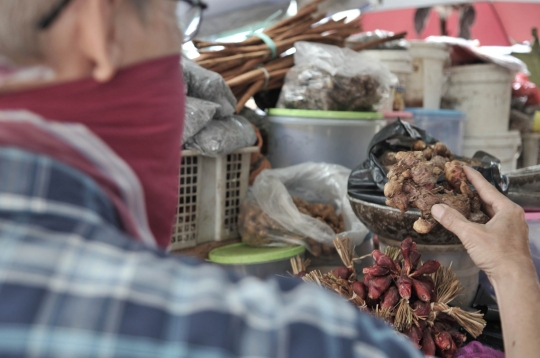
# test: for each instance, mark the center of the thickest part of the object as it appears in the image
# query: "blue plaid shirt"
(73, 285)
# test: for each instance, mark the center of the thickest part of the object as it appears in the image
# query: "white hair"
(19, 32)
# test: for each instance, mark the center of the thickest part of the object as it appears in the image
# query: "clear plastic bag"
(210, 86)
(198, 114)
(327, 77)
(223, 136)
(269, 217)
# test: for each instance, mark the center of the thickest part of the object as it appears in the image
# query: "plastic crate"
(209, 197)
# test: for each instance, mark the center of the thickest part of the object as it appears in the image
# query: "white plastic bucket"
(505, 146)
(399, 62)
(424, 85)
(484, 93)
(531, 143)
(462, 265)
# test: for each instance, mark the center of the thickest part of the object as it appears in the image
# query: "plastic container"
(424, 85)
(505, 146)
(399, 62)
(210, 193)
(456, 255)
(299, 136)
(531, 142)
(445, 125)
(261, 262)
(391, 117)
(483, 92)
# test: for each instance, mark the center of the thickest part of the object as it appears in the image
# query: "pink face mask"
(139, 114)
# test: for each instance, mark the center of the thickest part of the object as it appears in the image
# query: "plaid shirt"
(73, 285)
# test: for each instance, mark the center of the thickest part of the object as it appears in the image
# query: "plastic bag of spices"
(210, 86)
(198, 114)
(223, 136)
(330, 78)
(274, 214)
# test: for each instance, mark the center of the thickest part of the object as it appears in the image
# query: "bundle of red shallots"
(410, 295)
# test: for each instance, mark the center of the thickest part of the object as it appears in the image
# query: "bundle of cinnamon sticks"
(249, 67)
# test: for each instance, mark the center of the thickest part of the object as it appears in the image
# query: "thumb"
(451, 219)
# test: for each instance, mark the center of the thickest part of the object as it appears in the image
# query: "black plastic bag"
(367, 181)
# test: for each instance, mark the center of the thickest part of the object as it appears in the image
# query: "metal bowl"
(391, 223)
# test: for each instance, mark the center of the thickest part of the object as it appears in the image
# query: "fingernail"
(437, 211)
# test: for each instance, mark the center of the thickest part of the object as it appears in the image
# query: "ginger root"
(412, 182)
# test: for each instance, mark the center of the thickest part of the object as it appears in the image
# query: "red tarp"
(496, 24)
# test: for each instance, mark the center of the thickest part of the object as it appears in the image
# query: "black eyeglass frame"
(49, 19)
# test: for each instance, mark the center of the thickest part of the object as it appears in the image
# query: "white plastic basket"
(209, 197)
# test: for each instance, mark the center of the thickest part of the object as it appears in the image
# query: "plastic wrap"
(210, 86)
(464, 52)
(198, 114)
(330, 78)
(223, 136)
(269, 216)
(366, 37)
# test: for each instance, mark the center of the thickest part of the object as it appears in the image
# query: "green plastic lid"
(305, 113)
(238, 254)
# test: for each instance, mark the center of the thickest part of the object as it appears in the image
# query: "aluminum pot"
(391, 223)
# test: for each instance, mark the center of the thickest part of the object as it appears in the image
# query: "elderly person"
(87, 44)
(73, 283)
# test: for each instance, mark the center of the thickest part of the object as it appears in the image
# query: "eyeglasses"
(188, 12)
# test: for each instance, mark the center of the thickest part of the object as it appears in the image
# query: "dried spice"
(414, 301)
(258, 229)
(413, 182)
(310, 87)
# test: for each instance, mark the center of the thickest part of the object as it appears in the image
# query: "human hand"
(498, 246)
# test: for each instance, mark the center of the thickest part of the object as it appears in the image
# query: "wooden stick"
(300, 28)
(243, 56)
(378, 42)
(285, 62)
(219, 68)
(249, 93)
(274, 76)
(308, 9)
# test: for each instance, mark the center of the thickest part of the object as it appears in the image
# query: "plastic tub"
(447, 126)
(484, 93)
(256, 261)
(531, 142)
(505, 146)
(455, 255)
(299, 136)
(424, 85)
(391, 117)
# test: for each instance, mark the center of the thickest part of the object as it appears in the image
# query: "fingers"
(488, 193)
(451, 219)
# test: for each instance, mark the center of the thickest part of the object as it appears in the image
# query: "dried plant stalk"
(298, 265)
(393, 252)
(448, 288)
(405, 316)
(383, 313)
(446, 284)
